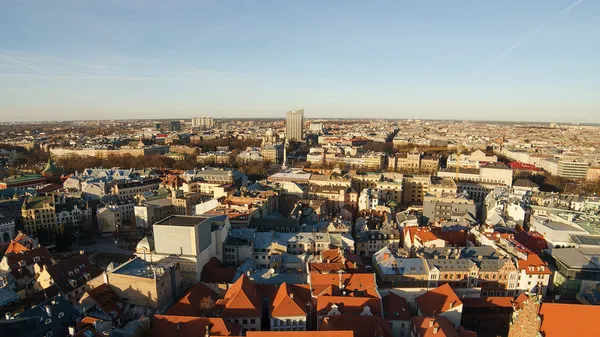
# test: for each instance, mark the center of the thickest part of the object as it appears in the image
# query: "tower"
(294, 124)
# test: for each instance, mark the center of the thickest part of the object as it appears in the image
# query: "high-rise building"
(294, 123)
(203, 122)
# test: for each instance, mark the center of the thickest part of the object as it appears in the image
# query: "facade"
(116, 216)
(289, 307)
(203, 122)
(38, 212)
(71, 276)
(142, 283)
(7, 229)
(242, 305)
(572, 169)
(534, 275)
(272, 153)
(74, 212)
(593, 174)
(128, 190)
(415, 188)
(22, 182)
(189, 240)
(294, 125)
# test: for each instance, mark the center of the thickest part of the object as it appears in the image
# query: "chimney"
(430, 323)
(48, 310)
(71, 331)
(435, 330)
(292, 295)
(207, 334)
(8, 316)
(105, 277)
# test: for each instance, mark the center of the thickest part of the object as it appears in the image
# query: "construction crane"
(458, 156)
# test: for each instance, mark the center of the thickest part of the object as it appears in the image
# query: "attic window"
(48, 321)
(61, 314)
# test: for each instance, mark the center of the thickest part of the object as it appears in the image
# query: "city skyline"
(509, 61)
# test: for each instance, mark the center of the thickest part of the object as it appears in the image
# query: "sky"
(514, 60)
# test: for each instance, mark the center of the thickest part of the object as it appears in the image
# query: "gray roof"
(182, 220)
(576, 258)
(461, 265)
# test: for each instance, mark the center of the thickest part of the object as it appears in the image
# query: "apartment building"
(415, 188)
(127, 190)
(38, 212)
(71, 276)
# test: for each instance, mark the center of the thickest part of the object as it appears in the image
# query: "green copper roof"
(51, 168)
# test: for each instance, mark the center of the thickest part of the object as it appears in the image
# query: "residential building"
(22, 182)
(242, 305)
(398, 313)
(534, 275)
(294, 125)
(440, 302)
(401, 272)
(115, 216)
(573, 169)
(415, 188)
(103, 303)
(74, 212)
(128, 190)
(185, 326)
(289, 308)
(38, 212)
(71, 276)
(593, 174)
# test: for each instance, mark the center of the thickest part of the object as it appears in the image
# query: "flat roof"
(182, 220)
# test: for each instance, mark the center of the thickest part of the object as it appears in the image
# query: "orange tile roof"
(241, 299)
(183, 326)
(348, 305)
(190, 302)
(321, 268)
(443, 326)
(560, 320)
(332, 256)
(106, 299)
(300, 333)
(437, 300)
(287, 302)
(411, 231)
(533, 260)
(352, 283)
(426, 235)
(396, 308)
(14, 247)
(362, 326)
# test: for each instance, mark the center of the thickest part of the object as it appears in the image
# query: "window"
(245, 321)
(253, 321)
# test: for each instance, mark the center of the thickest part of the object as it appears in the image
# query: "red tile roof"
(434, 327)
(106, 299)
(410, 231)
(425, 235)
(362, 326)
(325, 268)
(183, 326)
(348, 305)
(560, 320)
(453, 238)
(332, 256)
(437, 300)
(354, 284)
(14, 247)
(534, 265)
(290, 300)
(194, 302)
(396, 308)
(214, 272)
(241, 299)
(533, 241)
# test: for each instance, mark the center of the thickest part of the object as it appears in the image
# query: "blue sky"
(535, 60)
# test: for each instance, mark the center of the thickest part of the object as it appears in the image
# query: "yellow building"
(38, 212)
(415, 188)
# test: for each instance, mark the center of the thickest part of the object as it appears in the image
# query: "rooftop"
(137, 267)
(182, 220)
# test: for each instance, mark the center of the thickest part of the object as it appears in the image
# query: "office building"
(294, 124)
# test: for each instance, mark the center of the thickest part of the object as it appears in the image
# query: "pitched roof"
(395, 308)
(241, 299)
(290, 300)
(440, 327)
(354, 284)
(362, 326)
(72, 268)
(533, 265)
(348, 305)
(425, 235)
(325, 268)
(569, 320)
(107, 300)
(183, 326)
(14, 247)
(437, 300)
(190, 302)
(214, 272)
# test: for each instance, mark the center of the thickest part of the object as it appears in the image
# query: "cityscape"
(299, 169)
(208, 226)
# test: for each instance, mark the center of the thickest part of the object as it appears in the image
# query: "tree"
(64, 237)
